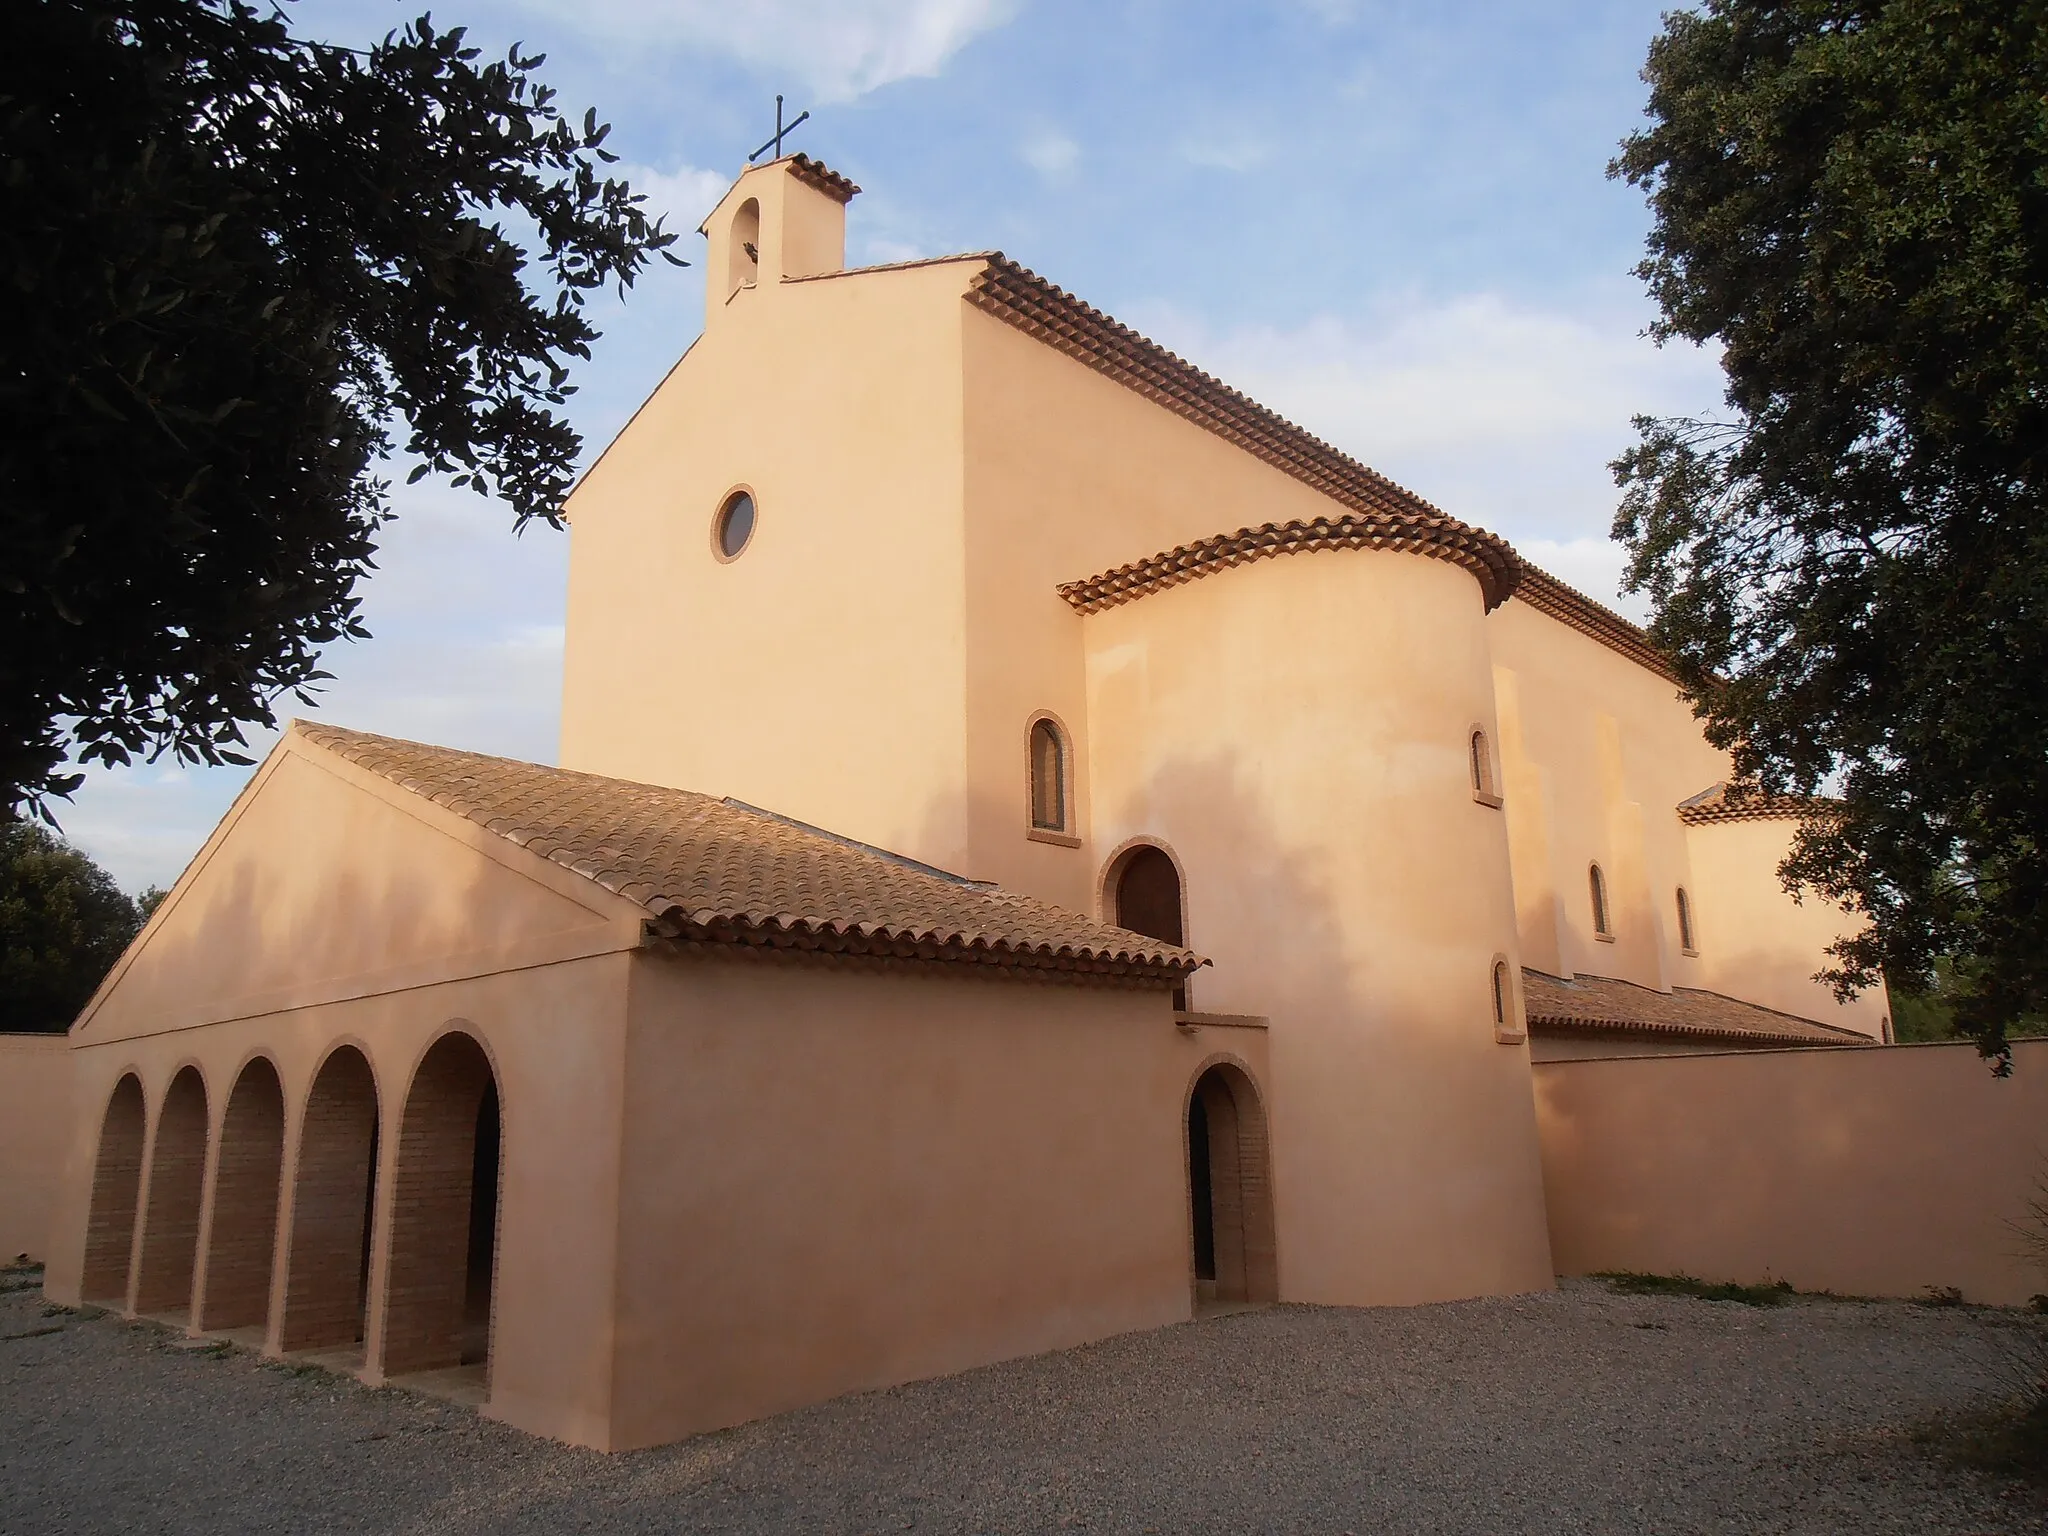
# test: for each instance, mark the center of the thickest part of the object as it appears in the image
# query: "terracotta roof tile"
(813, 173)
(720, 874)
(1546, 594)
(1738, 802)
(1602, 1005)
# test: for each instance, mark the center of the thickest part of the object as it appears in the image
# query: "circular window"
(734, 525)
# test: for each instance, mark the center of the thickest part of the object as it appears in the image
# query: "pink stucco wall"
(835, 1181)
(1870, 1172)
(35, 1129)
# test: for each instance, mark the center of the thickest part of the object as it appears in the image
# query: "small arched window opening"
(1481, 752)
(1603, 919)
(1507, 1018)
(1145, 893)
(743, 257)
(1048, 777)
(1686, 940)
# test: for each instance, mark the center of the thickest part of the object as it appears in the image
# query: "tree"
(1851, 570)
(63, 923)
(231, 260)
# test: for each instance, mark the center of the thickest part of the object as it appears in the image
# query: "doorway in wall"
(1230, 1191)
(1147, 899)
(116, 1188)
(334, 1204)
(445, 1216)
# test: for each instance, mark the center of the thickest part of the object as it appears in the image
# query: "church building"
(1041, 846)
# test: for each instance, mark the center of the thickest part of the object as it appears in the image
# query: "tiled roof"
(1546, 594)
(1381, 513)
(1737, 802)
(716, 874)
(814, 174)
(1602, 1005)
(1443, 537)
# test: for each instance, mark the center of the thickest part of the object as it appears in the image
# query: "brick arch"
(440, 1280)
(170, 1216)
(248, 1175)
(334, 1187)
(1230, 1159)
(116, 1194)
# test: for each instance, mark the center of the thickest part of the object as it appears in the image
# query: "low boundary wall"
(35, 1135)
(1878, 1172)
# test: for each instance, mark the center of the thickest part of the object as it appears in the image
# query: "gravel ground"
(1578, 1411)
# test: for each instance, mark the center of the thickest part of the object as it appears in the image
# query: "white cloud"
(882, 253)
(1227, 152)
(1503, 414)
(833, 49)
(1052, 155)
(685, 195)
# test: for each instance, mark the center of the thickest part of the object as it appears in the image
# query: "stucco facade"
(1041, 844)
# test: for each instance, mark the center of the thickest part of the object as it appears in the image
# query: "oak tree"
(237, 268)
(1850, 569)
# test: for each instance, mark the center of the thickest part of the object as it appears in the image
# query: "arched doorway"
(1230, 1190)
(116, 1186)
(242, 1235)
(1145, 896)
(444, 1214)
(170, 1218)
(334, 1190)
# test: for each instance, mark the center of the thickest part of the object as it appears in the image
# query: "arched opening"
(1603, 923)
(334, 1191)
(1482, 767)
(242, 1235)
(1230, 1190)
(1685, 934)
(1146, 895)
(444, 1214)
(116, 1186)
(1048, 777)
(170, 1218)
(743, 255)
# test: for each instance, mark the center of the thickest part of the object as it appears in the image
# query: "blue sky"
(1389, 220)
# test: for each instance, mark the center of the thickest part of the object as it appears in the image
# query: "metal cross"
(781, 128)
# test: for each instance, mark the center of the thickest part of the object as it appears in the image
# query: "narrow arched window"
(1685, 935)
(743, 256)
(1048, 777)
(1500, 994)
(1145, 894)
(1482, 766)
(1603, 922)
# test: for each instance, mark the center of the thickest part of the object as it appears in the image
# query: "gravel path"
(1580, 1411)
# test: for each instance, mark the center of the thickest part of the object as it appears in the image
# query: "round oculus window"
(734, 526)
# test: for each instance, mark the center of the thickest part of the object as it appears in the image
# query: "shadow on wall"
(146, 1249)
